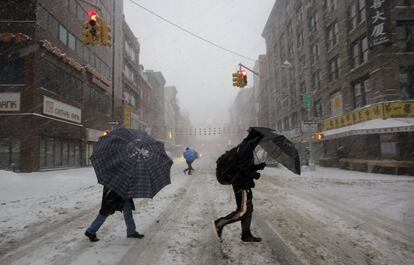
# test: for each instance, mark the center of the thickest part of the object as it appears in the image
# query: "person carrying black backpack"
(237, 167)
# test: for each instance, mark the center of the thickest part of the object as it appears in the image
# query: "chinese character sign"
(378, 22)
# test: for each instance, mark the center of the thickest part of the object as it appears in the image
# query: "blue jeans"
(129, 220)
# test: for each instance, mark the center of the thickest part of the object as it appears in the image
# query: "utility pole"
(113, 122)
(308, 102)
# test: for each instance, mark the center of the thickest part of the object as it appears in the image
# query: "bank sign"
(9, 101)
(61, 110)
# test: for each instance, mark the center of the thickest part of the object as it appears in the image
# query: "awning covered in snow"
(390, 125)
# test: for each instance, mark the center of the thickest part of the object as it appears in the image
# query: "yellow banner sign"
(127, 117)
(384, 110)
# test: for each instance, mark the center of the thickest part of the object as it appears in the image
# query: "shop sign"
(93, 135)
(61, 110)
(10, 101)
(127, 117)
(385, 110)
(399, 110)
(337, 104)
(378, 22)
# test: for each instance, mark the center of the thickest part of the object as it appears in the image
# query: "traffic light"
(319, 136)
(105, 33)
(236, 78)
(91, 30)
(243, 78)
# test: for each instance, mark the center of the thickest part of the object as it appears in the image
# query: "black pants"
(189, 167)
(243, 213)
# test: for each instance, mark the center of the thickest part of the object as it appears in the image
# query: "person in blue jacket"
(189, 155)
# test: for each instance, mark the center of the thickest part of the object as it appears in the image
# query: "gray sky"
(201, 72)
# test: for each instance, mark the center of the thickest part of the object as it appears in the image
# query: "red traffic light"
(92, 18)
(244, 73)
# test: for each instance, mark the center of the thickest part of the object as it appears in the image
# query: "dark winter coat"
(112, 202)
(246, 167)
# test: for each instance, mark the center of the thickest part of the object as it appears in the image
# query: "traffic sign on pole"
(308, 101)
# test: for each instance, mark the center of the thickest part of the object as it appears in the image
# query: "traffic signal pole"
(113, 64)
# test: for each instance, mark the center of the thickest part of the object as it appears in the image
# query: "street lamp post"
(308, 106)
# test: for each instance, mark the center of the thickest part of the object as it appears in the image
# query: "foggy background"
(200, 71)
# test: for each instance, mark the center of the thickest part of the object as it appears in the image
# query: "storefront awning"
(376, 126)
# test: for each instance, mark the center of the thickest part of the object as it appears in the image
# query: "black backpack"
(227, 167)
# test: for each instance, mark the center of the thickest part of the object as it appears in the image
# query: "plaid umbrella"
(278, 147)
(131, 163)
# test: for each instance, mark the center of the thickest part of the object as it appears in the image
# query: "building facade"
(157, 98)
(55, 92)
(132, 94)
(348, 67)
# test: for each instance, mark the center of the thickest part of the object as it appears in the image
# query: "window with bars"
(333, 35)
(360, 89)
(334, 70)
(313, 23)
(359, 52)
(405, 35)
(407, 82)
(357, 13)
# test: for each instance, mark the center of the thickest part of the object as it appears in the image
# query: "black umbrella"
(278, 147)
(132, 163)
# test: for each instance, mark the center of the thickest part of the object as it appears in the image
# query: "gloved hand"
(256, 175)
(261, 166)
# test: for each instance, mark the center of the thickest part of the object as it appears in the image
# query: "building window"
(9, 153)
(312, 23)
(315, 53)
(71, 42)
(300, 39)
(129, 51)
(316, 80)
(405, 35)
(11, 69)
(330, 5)
(334, 66)
(407, 82)
(357, 13)
(60, 82)
(63, 34)
(359, 51)
(360, 92)
(318, 108)
(299, 13)
(55, 153)
(128, 73)
(333, 35)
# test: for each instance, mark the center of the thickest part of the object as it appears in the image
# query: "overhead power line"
(194, 34)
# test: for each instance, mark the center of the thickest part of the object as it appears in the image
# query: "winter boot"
(92, 237)
(217, 230)
(250, 238)
(135, 235)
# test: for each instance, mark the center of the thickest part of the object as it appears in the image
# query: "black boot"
(250, 238)
(92, 237)
(135, 235)
(217, 229)
(246, 234)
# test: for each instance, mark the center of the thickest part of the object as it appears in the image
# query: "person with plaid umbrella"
(112, 202)
(129, 164)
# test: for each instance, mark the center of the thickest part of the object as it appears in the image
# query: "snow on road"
(329, 216)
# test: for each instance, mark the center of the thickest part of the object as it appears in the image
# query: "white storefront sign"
(93, 135)
(10, 101)
(61, 110)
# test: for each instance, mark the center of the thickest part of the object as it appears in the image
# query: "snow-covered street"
(329, 216)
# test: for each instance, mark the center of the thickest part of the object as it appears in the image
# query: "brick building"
(356, 60)
(59, 89)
